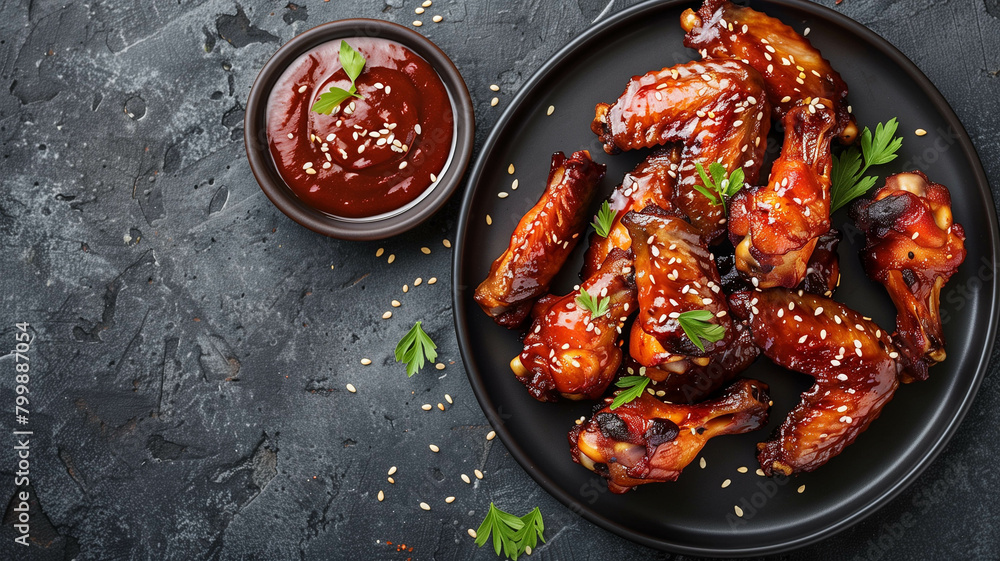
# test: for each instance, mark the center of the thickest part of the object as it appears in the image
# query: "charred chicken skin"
(542, 240)
(650, 183)
(794, 71)
(716, 111)
(674, 273)
(913, 246)
(852, 360)
(775, 228)
(569, 353)
(647, 440)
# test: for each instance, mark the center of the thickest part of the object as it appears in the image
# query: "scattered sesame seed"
(447, 397)
(527, 549)
(417, 23)
(726, 483)
(502, 195)
(920, 132)
(466, 479)
(441, 406)
(392, 470)
(425, 506)
(472, 533)
(437, 19)
(390, 480)
(742, 469)
(760, 472)
(449, 500)
(510, 169)
(406, 288)
(381, 496)
(417, 281)
(479, 474)
(434, 448)
(432, 280)
(513, 185)
(392, 258)
(494, 101)
(702, 463)
(290, 135)
(738, 510)
(491, 435)
(446, 242)
(801, 488)
(489, 220)
(427, 407)
(366, 361)
(806, 32)
(303, 89)
(425, 250)
(427, 3)
(419, 10)
(550, 110)
(434, 178)
(351, 388)
(379, 252)
(396, 304)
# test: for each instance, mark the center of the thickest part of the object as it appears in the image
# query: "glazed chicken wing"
(775, 228)
(647, 440)
(913, 246)
(852, 360)
(542, 240)
(650, 183)
(794, 71)
(567, 351)
(717, 112)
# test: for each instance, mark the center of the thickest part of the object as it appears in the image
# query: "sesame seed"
(441, 406)
(513, 185)
(738, 510)
(427, 407)
(303, 89)
(760, 472)
(489, 221)
(472, 533)
(379, 252)
(479, 474)
(742, 469)
(406, 288)
(418, 281)
(550, 110)
(466, 479)
(381, 496)
(434, 178)
(419, 10)
(434, 448)
(835, 362)
(801, 488)
(846, 419)
(818, 311)
(786, 99)
(290, 135)
(841, 409)
(392, 258)
(502, 195)
(402, 165)
(437, 19)
(920, 132)
(510, 169)
(425, 506)
(387, 315)
(396, 303)
(449, 500)
(417, 23)
(390, 480)
(427, 3)
(726, 483)
(446, 242)
(351, 388)
(425, 250)
(416, 128)
(841, 377)
(494, 101)
(702, 463)
(491, 435)
(392, 470)
(366, 361)
(432, 280)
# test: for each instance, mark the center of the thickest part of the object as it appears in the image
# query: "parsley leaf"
(635, 386)
(596, 307)
(414, 348)
(353, 62)
(847, 179)
(510, 533)
(605, 218)
(696, 326)
(718, 188)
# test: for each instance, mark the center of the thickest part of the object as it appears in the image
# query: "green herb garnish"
(510, 533)
(414, 348)
(353, 62)
(605, 218)
(718, 188)
(696, 326)
(634, 385)
(848, 179)
(596, 307)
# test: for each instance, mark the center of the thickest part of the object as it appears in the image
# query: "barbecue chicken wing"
(567, 352)
(775, 228)
(647, 440)
(913, 246)
(794, 71)
(717, 112)
(650, 183)
(542, 240)
(852, 360)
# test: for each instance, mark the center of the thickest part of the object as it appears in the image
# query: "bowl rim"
(274, 187)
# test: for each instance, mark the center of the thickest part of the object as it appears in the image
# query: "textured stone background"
(193, 344)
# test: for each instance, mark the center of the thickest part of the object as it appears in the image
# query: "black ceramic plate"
(694, 514)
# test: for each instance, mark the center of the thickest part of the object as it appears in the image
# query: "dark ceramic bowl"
(378, 227)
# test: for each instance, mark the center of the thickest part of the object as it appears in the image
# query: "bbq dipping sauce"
(371, 157)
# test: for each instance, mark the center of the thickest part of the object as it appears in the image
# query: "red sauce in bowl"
(371, 156)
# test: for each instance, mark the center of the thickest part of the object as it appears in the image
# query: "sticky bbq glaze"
(371, 156)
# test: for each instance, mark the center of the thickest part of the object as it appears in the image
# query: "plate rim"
(459, 303)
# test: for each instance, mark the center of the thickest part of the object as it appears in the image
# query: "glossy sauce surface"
(370, 156)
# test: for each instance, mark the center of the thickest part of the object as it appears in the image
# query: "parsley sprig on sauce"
(634, 386)
(718, 188)
(848, 179)
(596, 306)
(696, 326)
(353, 62)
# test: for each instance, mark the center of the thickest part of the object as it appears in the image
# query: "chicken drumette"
(648, 440)
(913, 247)
(542, 240)
(852, 360)
(794, 71)
(716, 110)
